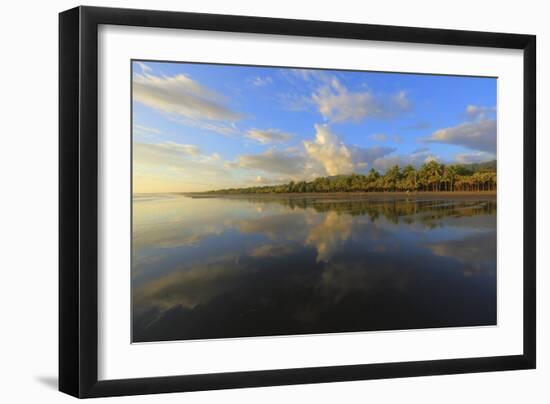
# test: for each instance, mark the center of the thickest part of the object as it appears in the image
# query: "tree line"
(431, 176)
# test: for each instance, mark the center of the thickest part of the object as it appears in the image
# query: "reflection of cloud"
(275, 266)
(168, 223)
(173, 236)
(330, 234)
(477, 253)
(192, 287)
(272, 250)
(339, 280)
(285, 226)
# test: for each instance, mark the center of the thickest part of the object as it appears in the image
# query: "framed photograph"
(251, 201)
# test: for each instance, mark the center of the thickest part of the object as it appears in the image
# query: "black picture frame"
(78, 201)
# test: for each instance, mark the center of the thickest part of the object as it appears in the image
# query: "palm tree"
(392, 177)
(449, 176)
(410, 178)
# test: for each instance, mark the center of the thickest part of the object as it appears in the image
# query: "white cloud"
(416, 158)
(364, 158)
(162, 153)
(271, 161)
(329, 151)
(379, 137)
(144, 68)
(222, 128)
(170, 167)
(474, 157)
(145, 130)
(261, 81)
(268, 136)
(337, 158)
(295, 102)
(477, 112)
(479, 135)
(183, 97)
(382, 137)
(337, 104)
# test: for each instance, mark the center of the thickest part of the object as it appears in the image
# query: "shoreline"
(491, 195)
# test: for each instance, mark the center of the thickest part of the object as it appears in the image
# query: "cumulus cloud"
(479, 135)
(268, 136)
(366, 157)
(329, 151)
(477, 112)
(337, 158)
(337, 104)
(183, 97)
(326, 154)
(271, 161)
(416, 158)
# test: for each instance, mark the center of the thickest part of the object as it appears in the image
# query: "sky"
(198, 127)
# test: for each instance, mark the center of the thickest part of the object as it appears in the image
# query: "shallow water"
(238, 267)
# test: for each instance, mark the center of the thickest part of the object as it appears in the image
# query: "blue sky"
(201, 126)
